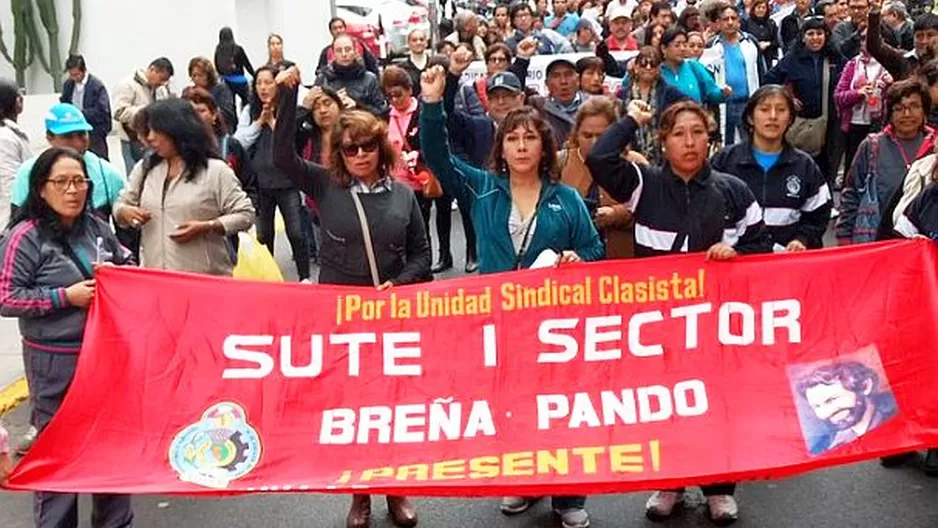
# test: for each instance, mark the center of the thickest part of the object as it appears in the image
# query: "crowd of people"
(729, 129)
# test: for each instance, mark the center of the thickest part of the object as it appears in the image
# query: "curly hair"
(530, 119)
(360, 126)
(205, 65)
(36, 208)
(853, 375)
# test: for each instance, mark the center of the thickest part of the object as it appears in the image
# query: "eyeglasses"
(353, 149)
(62, 184)
(910, 108)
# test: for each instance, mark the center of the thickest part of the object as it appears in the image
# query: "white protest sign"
(537, 69)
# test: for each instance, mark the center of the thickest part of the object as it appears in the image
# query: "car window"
(361, 11)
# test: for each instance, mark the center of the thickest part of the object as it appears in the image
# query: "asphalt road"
(860, 495)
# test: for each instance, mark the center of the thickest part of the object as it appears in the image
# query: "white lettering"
(489, 345)
(790, 319)
(635, 327)
(616, 408)
(594, 337)
(479, 421)
(338, 427)
(748, 315)
(231, 348)
(393, 352)
(695, 388)
(659, 393)
(691, 313)
(583, 412)
(547, 337)
(374, 419)
(443, 423)
(551, 407)
(315, 358)
(407, 416)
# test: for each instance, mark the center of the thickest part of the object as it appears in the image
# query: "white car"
(396, 17)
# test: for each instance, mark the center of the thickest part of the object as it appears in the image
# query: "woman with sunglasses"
(519, 209)
(645, 84)
(358, 189)
(49, 252)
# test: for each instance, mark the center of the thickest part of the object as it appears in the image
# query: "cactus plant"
(27, 40)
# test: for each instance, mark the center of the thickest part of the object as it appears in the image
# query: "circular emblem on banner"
(219, 448)
(793, 185)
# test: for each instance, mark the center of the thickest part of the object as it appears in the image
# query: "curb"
(13, 394)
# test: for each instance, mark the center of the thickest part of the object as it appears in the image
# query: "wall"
(119, 36)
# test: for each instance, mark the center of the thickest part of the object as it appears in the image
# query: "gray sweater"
(36, 271)
(402, 250)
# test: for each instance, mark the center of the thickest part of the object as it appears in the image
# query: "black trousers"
(425, 205)
(288, 201)
(444, 224)
(49, 375)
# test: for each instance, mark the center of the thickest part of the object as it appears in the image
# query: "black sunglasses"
(353, 149)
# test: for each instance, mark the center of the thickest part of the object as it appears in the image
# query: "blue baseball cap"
(65, 118)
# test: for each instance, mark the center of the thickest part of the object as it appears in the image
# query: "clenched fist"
(433, 84)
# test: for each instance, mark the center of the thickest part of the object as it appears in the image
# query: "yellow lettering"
(589, 455)
(449, 470)
(483, 467)
(418, 471)
(373, 474)
(622, 458)
(553, 462)
(518, 464)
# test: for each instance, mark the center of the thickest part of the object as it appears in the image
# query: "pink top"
(398, 123)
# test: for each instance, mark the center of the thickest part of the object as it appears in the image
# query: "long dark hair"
(9, 95)
(763, 93)
(225, 50)
(529, 118)
(256, 104)
(36, 208)
(191, 138)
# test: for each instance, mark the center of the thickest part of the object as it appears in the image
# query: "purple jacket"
(846, 97)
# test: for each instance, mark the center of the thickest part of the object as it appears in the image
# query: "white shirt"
(78, 96)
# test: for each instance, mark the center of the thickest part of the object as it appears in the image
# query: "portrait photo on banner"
(841, 400)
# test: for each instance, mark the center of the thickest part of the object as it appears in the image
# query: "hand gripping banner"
(608, 377)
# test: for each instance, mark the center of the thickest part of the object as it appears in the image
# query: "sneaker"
(306, 281)
(574, 517)
(661, 504)
(516, 505)
(27, 441)
(723, 509)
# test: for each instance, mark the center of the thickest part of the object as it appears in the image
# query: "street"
(859, 495)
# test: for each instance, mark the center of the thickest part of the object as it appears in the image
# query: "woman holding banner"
(526, 216)
(373, 229)
(680, 207)
(793, 192)
(50, 250)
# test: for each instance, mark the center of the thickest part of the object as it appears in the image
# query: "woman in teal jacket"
(519, 211)
(525, 187)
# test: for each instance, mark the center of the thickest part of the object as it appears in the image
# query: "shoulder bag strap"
(366, 236)
(825, 88)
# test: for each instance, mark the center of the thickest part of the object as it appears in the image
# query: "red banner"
(607, 377)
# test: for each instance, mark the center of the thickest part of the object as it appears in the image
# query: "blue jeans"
(567, 503)
(734, 118)
(132, 153)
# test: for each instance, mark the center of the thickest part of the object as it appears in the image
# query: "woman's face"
(522, 149)
(275, 48)
(325, 112)
(483, 30)
(200, 77)
(161, 144)
(771, 117)
(591, 128)
(66, 189)
(496, 63)
(205, 114)
(400, 97)
(695, 47)
(908, 117)
(814, 39)
(501, 16)
(761, 10)
(360, 157)
(266, 87)
(344, 51)
(686, 145)
(417, 42)
(656, 33)
(676, 51)
(647, 69)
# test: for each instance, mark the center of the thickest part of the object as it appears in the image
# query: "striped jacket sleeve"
(815, 212)
(745, 229)
(21, 257)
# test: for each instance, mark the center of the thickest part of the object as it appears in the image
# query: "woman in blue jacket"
(519, 211)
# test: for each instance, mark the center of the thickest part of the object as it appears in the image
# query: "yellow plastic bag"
(254, 261)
